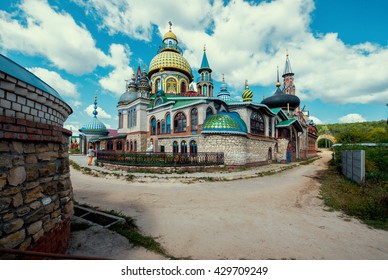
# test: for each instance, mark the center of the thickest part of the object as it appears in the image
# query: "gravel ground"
(272, 217)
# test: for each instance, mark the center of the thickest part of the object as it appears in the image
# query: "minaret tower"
(224, 93)
(205, 84)
(288, 78)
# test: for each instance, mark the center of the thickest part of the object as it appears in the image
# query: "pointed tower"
(224, 93)
(205, 84)
(288, 78)
(144, 87)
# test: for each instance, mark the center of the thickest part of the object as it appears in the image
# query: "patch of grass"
(79, 226)
(75, 165)
(308, 161)
(369, 203)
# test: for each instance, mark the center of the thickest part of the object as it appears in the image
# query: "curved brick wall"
(36, 198)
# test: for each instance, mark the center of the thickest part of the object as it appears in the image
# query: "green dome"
(224, 123)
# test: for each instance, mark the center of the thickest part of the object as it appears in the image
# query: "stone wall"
(36, 198)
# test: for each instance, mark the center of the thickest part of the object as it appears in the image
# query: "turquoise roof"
(286, 122)
(15, 70)
(95, 127)
(224, 123)
(205, 62)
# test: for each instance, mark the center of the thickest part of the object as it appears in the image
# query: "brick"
(21, 100)
(7, 86)
(11, 79)
(20, 116)
(29, 118)
(34, 112)
(44, 109)
(11, 97)
(31, 88)
(16, 106)
(37, 119)
(2, 93)
(5, 104)
(30, 103)
(10, 113)
(21, 91)
(26, 110)
(38, 106)
(22, 84)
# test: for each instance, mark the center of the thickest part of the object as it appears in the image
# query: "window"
(120, 120)
(209, 112)
(157, 85)
(270, 127)
(153, 126)
(119, 145)
(168, 124)
(134, 117)
(134, 146)
(158, 128)
(205, 90)
(183, 147)
(127, 146)
(129, 121)
(131, 118)
(183, 87)
(175, 147)
(194, 120)
(158, 102)
(171, 85)
(163, 127)
(162, 149)
(257, 123)
(180, 123)
(193, 147)
(131, 146)
(109, 145)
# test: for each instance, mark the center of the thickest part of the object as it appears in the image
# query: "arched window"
(276, 149)
(163, 127)
(193, 147)
(180, 123)
(153, 126)
(119, 145)
(158, 128)
(109, 145)
(209, 112)
(270, 127)
(157, 85)
(257, 123)
(175, 147)
(120, 120)
(183, 147)
(269, 154)
(206, 76)
(205, 90)
(168, 124)
(158, 101)
(134, 146)
(183, 87)
(194, 120)
(131, 146)
(171, 85)
(127, 146)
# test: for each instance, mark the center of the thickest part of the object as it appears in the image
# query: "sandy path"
(272, 217)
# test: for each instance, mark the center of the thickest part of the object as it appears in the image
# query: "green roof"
(184, 103)
(286, 123)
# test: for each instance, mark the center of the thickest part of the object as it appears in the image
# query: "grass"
(368, 203)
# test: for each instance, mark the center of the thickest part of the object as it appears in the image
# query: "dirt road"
(272, 217)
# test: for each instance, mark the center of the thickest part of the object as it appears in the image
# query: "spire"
(170, 23)
(224, 94)
(278, 82)
(287, 67)
(95, 113)
(205, 62)
(247, 94)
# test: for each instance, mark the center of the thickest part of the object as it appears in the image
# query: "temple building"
(160, 112)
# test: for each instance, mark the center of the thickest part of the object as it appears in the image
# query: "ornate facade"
(160, 112)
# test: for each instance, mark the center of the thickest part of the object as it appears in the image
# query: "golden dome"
(170, 35)
(170, 60)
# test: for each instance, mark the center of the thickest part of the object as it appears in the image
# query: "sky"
(338, 49)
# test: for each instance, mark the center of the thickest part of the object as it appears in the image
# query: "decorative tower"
(224, 93)
(288, 78)
(144, 87)
(247, 94)
(205, 84)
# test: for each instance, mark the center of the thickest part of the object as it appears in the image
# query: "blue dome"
(224, 123)
(95, 127)
(128, 96)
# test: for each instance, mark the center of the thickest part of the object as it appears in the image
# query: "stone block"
(34, 216)
(17, 200)
(10, 191)
(23, 211)
(68, 210)
(33, 195)
(41, 148)
(29, 148)
(13, 240)
(31, 159)
(13, 226)
(17, 176)
(6, 161)
(17, 107)
(32, 172)
(47, 169)
(26, 244)
(4, 146)
(18, 160)
(38, 235)
(8, 216)
(56, 213)
(31, 185)
(3, 181)
(35, 227)
(11, 97)
(35, 205)
(50, 188)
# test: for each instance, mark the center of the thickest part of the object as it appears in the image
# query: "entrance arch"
(329, 140)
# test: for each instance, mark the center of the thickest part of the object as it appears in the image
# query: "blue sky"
(338, 49)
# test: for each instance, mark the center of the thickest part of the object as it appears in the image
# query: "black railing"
(160, 159)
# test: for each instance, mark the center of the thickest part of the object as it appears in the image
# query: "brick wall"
(36, 198)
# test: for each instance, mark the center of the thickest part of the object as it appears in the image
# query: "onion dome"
(247, 94)
(170, 35)
(95, 127)
(224, 93)
(281, 100)
(131, 93)
(169, 60)
(224, 123)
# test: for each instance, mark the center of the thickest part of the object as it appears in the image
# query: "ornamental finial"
(170, 23)
(246, 83)
(278, 82)
(95, 113)
(286, 52)
(223, 78)
(204, 47)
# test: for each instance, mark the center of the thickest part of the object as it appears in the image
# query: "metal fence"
(160, 159)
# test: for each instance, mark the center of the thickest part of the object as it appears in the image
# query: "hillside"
(376, 132)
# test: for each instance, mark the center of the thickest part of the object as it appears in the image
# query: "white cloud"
(119, 58)
(40, 30)
(315, 120)
(351, 118)
(101, 113)
(76, 103)
(246, 40)
(64, 87)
